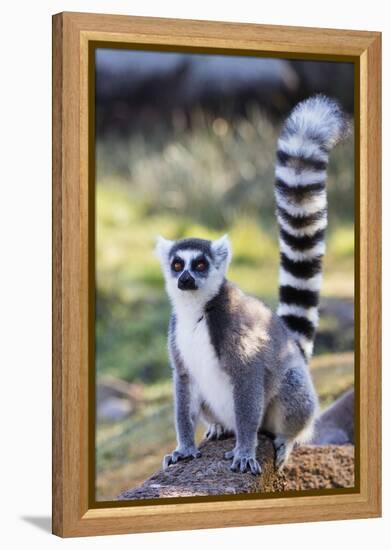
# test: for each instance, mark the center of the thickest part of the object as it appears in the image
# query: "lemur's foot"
(216, 431)
(243, 462)
(282, 449)
(180, 454)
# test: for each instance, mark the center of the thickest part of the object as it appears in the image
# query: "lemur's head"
(193, 268)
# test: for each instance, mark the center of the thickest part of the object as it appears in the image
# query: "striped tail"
(310, 132)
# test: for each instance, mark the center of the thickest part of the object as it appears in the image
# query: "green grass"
(132, 308)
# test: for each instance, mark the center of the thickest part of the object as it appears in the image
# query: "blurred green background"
(199, 171)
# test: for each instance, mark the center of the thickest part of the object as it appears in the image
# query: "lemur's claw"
(244, 463)
(213, 432)
(216, 431)
(177, 455)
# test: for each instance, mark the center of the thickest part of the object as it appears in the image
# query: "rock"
(309, 467)
(114, 409)
(336, 424)
(138, 90)
(336, 330)
(123, 73)
(116, 399)
(109, 386)
(320, 467)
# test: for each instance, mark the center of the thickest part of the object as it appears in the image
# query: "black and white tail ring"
(310, 132)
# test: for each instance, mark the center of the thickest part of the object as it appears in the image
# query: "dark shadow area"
(44, 523)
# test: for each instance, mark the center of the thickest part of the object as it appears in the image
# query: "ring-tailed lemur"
(237, 365)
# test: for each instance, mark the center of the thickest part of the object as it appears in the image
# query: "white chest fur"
(211, 383)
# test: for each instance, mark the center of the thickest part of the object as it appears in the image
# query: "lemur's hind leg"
(290, 415)
(214, 429)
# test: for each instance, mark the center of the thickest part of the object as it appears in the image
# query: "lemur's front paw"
(180, 454)
(216, 431)
(243, 462)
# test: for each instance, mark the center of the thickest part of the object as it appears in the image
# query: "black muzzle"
(186, 282)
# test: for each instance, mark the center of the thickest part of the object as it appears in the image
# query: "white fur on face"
(207, 286)
(162, 249)
(222, 251)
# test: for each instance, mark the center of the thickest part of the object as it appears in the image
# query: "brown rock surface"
(320, 467)
(309, 467)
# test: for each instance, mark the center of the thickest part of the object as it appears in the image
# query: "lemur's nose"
(186, 281)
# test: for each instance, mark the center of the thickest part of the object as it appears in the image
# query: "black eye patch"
(177, 264)
(200, 264)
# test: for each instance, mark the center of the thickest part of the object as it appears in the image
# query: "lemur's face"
(193, 266)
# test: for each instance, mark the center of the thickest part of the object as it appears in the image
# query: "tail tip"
(319, 117)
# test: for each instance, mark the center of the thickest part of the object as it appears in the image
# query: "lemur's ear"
(222, 251)
(162, 248)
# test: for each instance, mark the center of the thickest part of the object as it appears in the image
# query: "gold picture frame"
(75, 35)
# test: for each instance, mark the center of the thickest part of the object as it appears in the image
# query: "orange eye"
(177, 266)
(201, 266)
